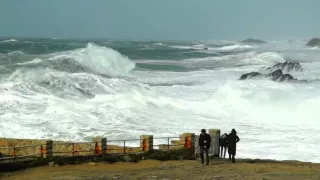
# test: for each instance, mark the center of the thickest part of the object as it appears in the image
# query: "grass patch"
(15, 165)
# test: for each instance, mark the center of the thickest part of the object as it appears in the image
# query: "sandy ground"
(151, 169)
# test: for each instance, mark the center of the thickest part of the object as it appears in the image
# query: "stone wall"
(98, 145)
(214, 148)
(33, 149)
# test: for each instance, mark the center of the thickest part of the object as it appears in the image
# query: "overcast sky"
(161, 19)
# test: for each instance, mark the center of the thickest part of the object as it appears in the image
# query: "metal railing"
(92, 148)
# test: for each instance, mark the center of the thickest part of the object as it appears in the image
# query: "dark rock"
(276, 75)
(287, 66)
(314, 42)
(253, 41)
(250, 75)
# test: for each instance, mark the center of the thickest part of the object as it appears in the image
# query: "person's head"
(203, 131)
(233, 131)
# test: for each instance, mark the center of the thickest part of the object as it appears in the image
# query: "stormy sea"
(77, 89)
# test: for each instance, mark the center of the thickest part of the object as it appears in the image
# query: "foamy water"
(106, 94)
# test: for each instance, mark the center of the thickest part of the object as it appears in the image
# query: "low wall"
(10, 147)
(20, 146)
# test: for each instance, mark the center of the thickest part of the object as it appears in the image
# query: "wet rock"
(276, 75)
(314, 42)
(287, 66)
(253, 41)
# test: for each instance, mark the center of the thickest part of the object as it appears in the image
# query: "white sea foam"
(270, 117)
(8, 40)
(99, 60)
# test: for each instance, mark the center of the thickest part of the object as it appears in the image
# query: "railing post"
(124, 147)
(168, 143)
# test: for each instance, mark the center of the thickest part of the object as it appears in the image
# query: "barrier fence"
(98, 146)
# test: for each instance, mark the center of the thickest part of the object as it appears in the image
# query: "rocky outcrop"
(253, 41)
(276, 75)
(287, 66)
(314, 42)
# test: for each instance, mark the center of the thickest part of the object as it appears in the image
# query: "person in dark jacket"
(223, 143)
(204, 143)
(232, 149)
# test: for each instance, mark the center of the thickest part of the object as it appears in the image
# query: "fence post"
(168, 145)
(49, 148)
(146, 142)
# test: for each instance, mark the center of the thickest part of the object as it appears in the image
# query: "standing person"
(233, 139)
(204, 143)
(223, 143)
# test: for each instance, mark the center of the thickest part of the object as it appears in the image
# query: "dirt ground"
(151, 169)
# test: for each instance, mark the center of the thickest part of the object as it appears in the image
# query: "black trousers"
(233, 160)
(204, 150)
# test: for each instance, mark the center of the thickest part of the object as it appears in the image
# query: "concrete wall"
(214, 148)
